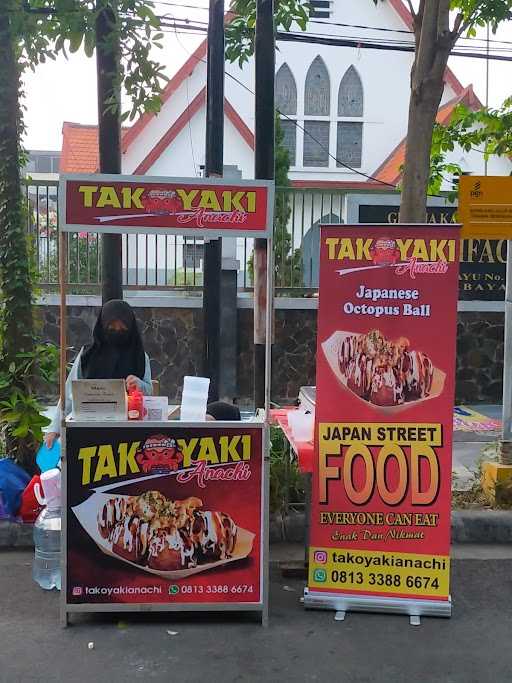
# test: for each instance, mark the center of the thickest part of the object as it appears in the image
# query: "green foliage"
(471, 14)
(31, 32)
(488, 131)
(287, 260)
(286, 485)
(240, 30)
(49, 27)
(21, 418)
(478, 13)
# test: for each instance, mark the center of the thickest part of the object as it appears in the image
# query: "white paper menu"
(99, 399)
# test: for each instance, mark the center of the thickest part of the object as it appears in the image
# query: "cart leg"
(64, 618)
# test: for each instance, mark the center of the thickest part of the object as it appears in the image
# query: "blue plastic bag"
(48, 458)
(13, 480)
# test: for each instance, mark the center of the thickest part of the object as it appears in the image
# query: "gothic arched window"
(350, 94)
(286, 91)
(286, 103)
(317, 96)
(349, 145)
(317, 105)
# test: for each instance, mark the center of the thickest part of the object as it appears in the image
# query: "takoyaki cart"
(165, 515)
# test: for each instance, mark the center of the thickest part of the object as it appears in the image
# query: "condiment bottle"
(135, 405)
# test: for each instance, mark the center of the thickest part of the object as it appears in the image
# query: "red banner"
(387, 317)
(99, 203)
(164, 516)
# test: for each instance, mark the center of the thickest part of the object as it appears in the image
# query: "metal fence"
(161, 262)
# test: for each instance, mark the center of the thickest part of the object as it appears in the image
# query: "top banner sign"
(485, 207)
(185, 206)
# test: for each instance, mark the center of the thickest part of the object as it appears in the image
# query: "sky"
(65, 90)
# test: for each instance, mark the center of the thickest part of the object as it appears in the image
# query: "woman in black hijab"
(116, 352)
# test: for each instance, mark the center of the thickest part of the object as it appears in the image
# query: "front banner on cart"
(172, 515)
(380, 519)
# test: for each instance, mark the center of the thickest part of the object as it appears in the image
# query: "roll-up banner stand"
(380, 516)
(165, 515)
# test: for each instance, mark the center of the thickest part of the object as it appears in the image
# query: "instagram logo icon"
(320, 557)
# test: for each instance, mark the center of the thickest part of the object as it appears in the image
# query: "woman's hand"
(132, 382)
(50, 438)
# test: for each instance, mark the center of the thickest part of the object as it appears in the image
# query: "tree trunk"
(109, 135)
(422, 115)
(16, 321)
(434, 43)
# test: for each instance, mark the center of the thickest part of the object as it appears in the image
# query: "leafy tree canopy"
(43, 28)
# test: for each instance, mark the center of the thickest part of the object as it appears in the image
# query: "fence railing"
(162, 262)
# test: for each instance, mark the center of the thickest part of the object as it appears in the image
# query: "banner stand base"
(342, 604)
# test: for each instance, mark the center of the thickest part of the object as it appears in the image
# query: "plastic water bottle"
(46, 567)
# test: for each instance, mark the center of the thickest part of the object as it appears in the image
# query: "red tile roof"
(79, 148)
(389, 171)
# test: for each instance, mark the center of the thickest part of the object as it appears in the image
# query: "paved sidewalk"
(472, 647)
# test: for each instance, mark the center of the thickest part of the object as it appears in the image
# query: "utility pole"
(214, 162)
(264, 55)
(109, 134)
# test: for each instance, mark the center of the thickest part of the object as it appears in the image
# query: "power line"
(297, 125)
(333, 41)
(359, 40)
(177, 4)
(343, 41)
(397, 30)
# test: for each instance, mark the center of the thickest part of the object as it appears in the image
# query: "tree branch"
(427, 39)
(443, 17)
(411, 9)
(463, 27)
(458, 23)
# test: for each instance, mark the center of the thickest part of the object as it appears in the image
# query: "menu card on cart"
(99, 399)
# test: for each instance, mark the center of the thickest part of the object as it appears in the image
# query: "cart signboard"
(164, 516)
(185, 206)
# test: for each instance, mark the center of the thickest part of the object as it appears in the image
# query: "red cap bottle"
(135, 404)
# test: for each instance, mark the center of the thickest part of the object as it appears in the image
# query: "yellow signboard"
(485, 207)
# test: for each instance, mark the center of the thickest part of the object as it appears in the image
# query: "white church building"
(352, 101)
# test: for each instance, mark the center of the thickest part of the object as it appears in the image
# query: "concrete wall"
(173, 339)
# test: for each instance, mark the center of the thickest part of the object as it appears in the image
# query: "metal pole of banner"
(264, 56)
(109, 135)
(487, 74)
(507, 364)
(214, 162)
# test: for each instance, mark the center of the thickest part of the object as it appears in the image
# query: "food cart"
(164, 515)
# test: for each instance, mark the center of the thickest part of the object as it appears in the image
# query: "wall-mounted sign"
(485, 207)
(482, 272)
(185, 206)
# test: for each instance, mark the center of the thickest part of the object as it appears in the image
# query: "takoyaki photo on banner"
(154, 517)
